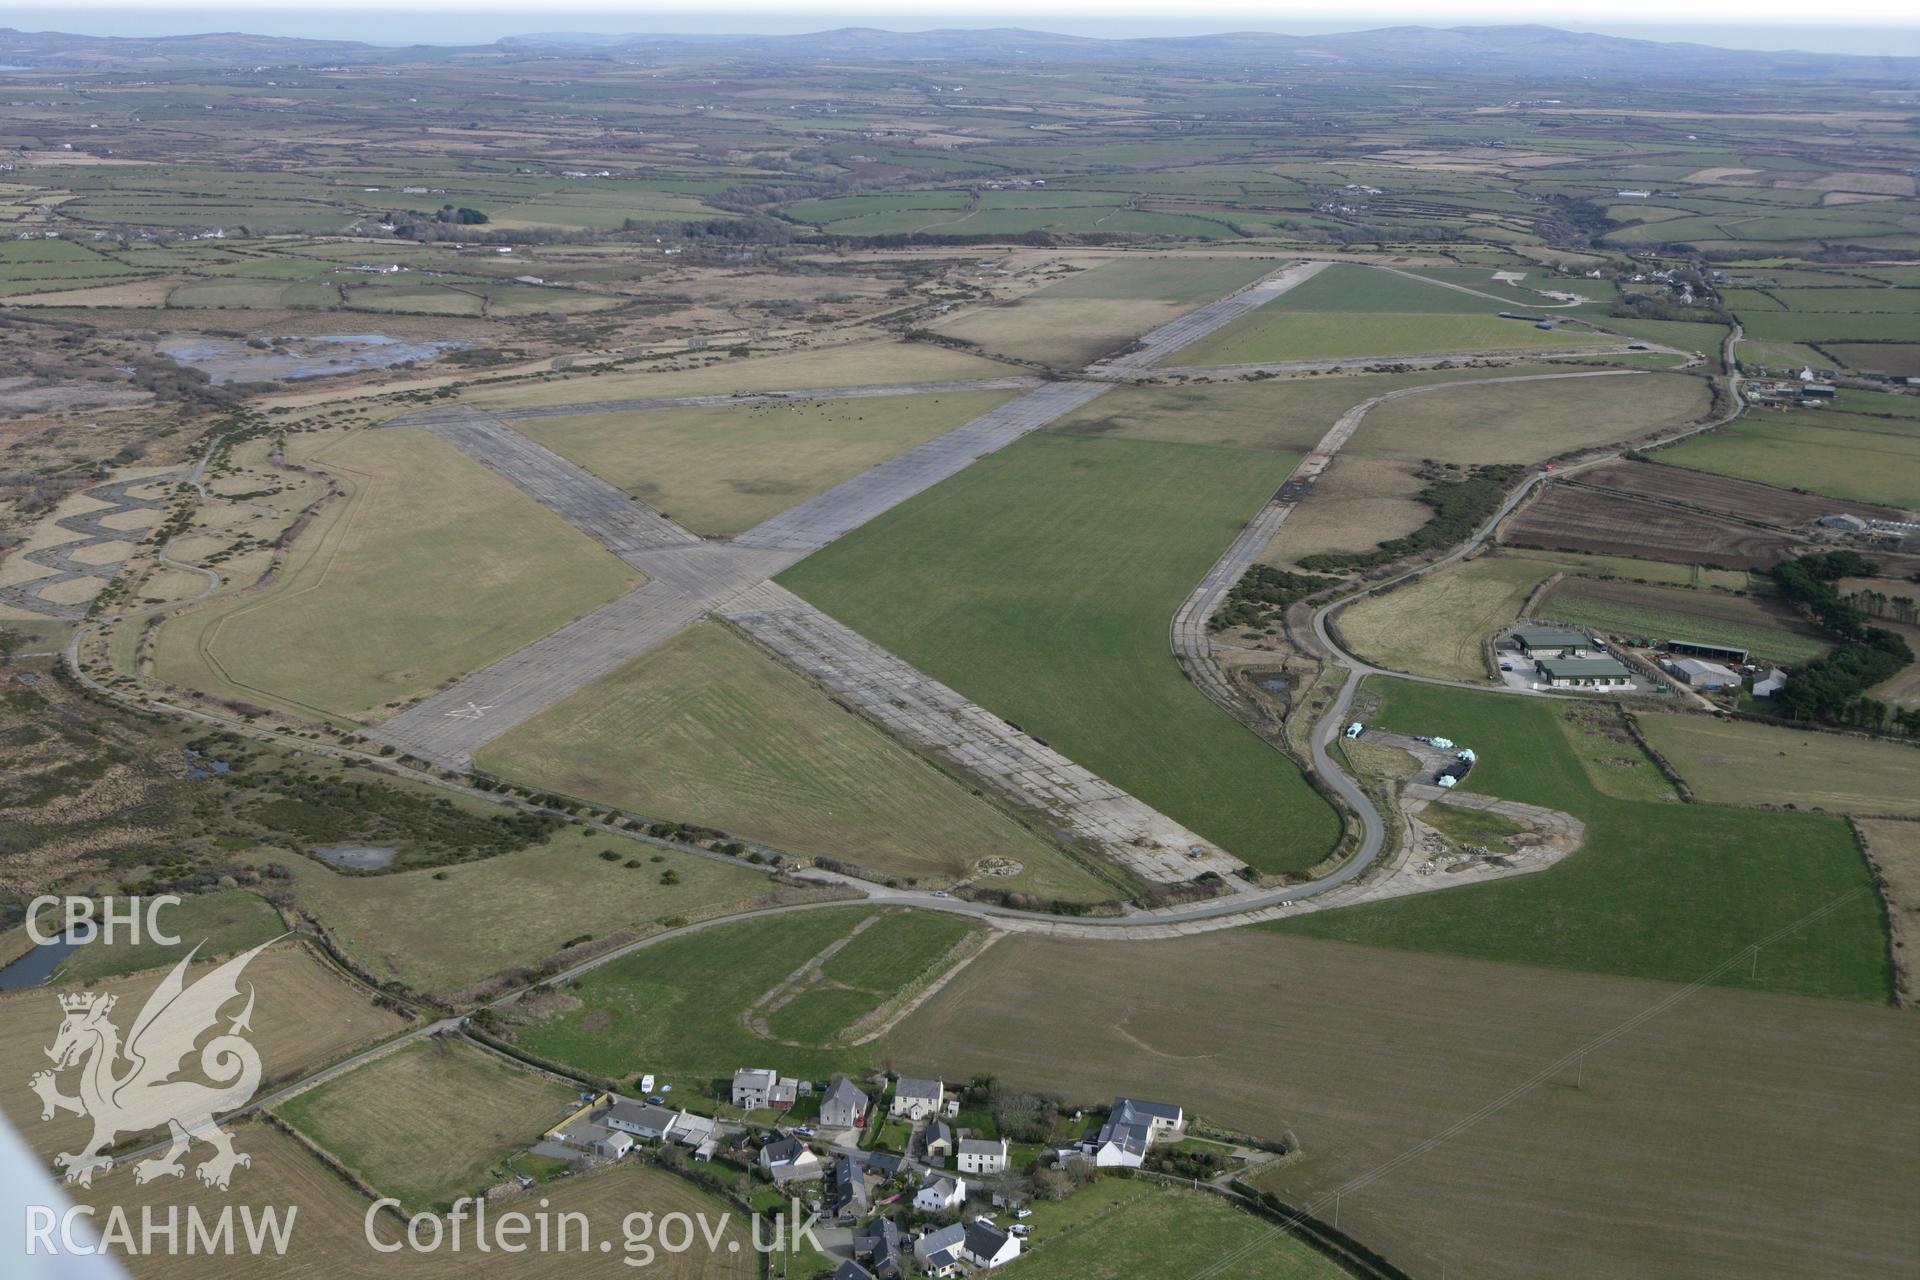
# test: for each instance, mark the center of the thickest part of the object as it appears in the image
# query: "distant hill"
(1494, 51)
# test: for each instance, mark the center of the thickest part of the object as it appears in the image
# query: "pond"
(289, 357)
(35, 967)
(355, 857)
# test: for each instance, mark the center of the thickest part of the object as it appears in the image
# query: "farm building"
(1584, 673)
(1843, 522)
(1711, 652)
(1709, 676)
(1551, 642)
(1765, 686)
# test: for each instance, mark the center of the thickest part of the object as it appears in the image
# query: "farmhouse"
(1132, 1126)
(1584, 673)
(1706, 676)
(844, 1106)
(1551, 642)
(983, 1155)
(941, 1193)
(641, 1119)
(940, 1252)
(916, 1099)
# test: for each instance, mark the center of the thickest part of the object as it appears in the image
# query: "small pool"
(35, 967)
(356, 857)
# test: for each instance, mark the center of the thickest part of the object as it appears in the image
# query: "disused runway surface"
(691, 580)
(624, 525)
(1011, 383)
(1195, 325)
(851, 503)
(934, 717)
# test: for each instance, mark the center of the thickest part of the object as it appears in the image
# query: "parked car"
(1023, 1213)
(657, 1100)
(1020, 1229)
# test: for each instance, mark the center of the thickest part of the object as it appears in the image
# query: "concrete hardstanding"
(932, 716)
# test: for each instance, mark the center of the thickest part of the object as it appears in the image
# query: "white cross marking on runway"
(472, 711)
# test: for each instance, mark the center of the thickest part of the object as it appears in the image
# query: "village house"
(941, 1252)
(982, 1155)
(987, 1246)
(787, 1159)
(937, 1142)
(848, 1198)
(1131, 1128)
(880, 1247)
(941, 1193)
(844, 1106)
(916, 1099)
(755, 1087)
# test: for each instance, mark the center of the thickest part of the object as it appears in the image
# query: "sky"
(1856, 26)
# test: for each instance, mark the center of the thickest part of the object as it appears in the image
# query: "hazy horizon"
(484, 25)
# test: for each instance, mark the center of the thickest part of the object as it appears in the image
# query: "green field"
(710, 729)
(222, 923)
(675, 1008)
(433, 566)
(1120, 1229)
(896, 951)
(1841, 455)
(1645, 611)
(431, 1122)
(1275, 332)
(1739, 762)
(1660, 890)
(1529, 421)
(720, 471)
(516, 908)
(1353, 289)
(1436, 625)
(1040, 583)
(1085, 317)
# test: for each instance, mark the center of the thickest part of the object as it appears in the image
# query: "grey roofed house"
(988, 1245)
(885, 1164)
(915, 1098)
(1158, 1115)
(844, 1105)
(880, 1246)
(642, 1119)
(751, 1085)
(938, 1250)
(939, 1135)
(852, 1271)
(848, 1197)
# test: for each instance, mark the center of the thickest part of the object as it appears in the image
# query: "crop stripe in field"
(1571, 1058)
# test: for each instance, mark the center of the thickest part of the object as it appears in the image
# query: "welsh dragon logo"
(129, 1088)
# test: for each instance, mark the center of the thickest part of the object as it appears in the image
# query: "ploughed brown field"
(1725, 494)
(1576, 518)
